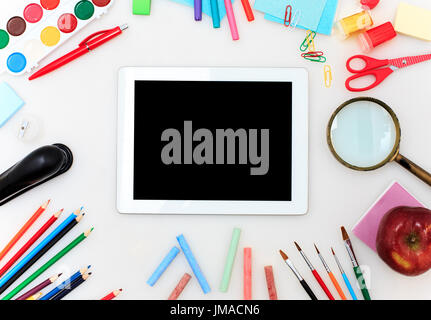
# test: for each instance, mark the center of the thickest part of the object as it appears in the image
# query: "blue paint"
(16, 62)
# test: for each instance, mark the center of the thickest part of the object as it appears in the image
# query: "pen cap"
(376, 36)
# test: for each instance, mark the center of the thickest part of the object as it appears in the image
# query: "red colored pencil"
(248, 10)
(29, 243)
(112, 295)
(315, 274)
(23, 230)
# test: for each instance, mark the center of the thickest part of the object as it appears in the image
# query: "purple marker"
(198, 10)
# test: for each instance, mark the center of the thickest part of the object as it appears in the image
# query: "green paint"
(142, 7)
(4, 39)
(84, 10)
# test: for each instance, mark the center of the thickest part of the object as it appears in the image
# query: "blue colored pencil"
(65, 283)
(35, 251)
(193, 264)
(163, 266)
(346, 280)
(215, 13)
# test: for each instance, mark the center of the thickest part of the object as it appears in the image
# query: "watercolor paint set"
(42, 26)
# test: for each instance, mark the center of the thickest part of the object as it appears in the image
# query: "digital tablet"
(212, 141)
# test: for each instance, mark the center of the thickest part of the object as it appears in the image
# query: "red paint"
(67, 23)
(101, 3)
(49, 4)
(33, 13)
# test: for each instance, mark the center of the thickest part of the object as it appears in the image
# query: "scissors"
(374, 68)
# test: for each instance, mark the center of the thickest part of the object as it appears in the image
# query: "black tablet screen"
(213, 141)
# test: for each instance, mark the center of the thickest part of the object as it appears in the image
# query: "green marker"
(142, 7)
(230, 260)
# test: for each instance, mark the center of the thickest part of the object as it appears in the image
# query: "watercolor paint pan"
(41, 27)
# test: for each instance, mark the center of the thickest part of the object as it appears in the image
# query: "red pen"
(315, 274)
(90, 43)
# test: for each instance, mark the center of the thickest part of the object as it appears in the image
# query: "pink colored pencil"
(231, 19)
(270, 283)
(180, 287)
(247, 274)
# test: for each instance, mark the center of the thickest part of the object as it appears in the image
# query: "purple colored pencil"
(198, 10)
(39, 288)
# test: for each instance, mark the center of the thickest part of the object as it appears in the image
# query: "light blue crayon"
(193, 264)
(163, 266)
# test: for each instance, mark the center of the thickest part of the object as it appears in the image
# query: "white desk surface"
(78, 107)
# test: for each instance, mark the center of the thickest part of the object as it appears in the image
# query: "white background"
(77, 106)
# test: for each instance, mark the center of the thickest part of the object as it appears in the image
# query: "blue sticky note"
(309, 11)
(10, 103)
(206, 6)
(326, 22)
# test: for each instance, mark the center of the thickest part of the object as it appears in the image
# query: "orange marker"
(331, 276)
(248, 10)
(23, 230)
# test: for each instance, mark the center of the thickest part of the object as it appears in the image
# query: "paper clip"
(295, 19)
(308, 43)
(320, 59)
(312, 54)
(327, 75)
(288, 16)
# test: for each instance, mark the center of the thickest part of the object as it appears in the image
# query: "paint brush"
(315, 273)
(298, 276)
(343, 274)
(356, 268)
(331, 275)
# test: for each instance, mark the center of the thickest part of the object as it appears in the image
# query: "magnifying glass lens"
(363, 134)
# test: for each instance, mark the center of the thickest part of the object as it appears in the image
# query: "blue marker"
(346, 280)
(163, 266)
(65, 283)
(215, 13)
(36, 250)
(193, 264)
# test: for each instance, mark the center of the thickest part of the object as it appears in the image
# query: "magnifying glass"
(364, 134)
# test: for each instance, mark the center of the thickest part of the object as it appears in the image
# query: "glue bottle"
(354, 23)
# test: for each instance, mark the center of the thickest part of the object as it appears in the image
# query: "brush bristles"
(283, 255)
(297, 246)
(318, 252)
(333, 252)
(344, 233)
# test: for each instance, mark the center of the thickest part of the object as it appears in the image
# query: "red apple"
(404, 240)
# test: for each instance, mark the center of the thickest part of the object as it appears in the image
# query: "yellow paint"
(50, 36)
(355, 23)
(413, 21)
(401, 261)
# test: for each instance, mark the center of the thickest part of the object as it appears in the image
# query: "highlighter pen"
(90, 43)
(198, 10)
(356, 267)
(231, 19)
(215, 14)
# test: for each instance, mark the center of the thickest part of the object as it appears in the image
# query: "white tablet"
(212, 141)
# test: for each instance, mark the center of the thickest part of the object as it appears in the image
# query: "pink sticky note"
(395, 196)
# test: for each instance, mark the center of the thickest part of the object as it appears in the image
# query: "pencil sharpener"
(39, 166)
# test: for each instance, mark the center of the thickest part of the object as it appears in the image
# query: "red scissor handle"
(370, 63)
(379, 75)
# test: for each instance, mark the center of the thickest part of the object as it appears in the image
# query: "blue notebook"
(10, 103)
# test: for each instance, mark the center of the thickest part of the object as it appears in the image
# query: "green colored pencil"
(47, 265)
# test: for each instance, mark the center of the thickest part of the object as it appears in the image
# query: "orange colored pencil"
(23, 230)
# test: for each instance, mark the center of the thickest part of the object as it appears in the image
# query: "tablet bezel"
(125, 142)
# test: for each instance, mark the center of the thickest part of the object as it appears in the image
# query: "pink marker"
(231, 19)
(247, 274)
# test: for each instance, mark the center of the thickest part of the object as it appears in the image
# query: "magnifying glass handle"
(414, 168)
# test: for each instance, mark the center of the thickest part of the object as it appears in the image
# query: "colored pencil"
(247, 274)
(39, 287)
(215, 14)
(270, 283)
(37, 253)
(343, 274)
(315, 273)
(35, 296)
(298, 276)
(47, 265)
(30, 242)
(65, 283)
(112, 295)
(75, 284)
(231, 19)
(23, 230)
(180, 287)
(356, 268)
(331, 275)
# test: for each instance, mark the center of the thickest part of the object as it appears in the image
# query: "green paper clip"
(309, 40)
(320, 59)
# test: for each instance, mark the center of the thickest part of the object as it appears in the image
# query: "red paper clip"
(288, 20)
(312, 54)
